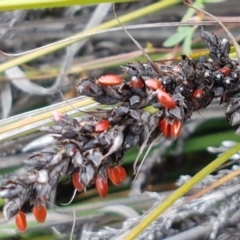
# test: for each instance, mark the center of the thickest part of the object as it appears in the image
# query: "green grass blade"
(7, 5)
(162, 207)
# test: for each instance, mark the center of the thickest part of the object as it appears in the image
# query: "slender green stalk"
(162, 207)
(7, 5)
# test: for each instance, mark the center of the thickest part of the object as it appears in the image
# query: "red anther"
(102, 186)
(225, 71)
(176, 128)
(76, 182)
(165, 99)
(153, 84)
(21, 221)
(165, 127)
(109, 80)
(102, 126)
(198, 93)
(122, 173)
(57, 116)
(114, 175)
(40, 213)
(137, 82)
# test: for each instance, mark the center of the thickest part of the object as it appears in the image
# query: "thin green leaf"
(7, 5)
(177, 37)
(190, 12)
(184, 32)
(187, 42)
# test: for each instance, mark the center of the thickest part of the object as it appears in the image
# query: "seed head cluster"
(91, 148)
